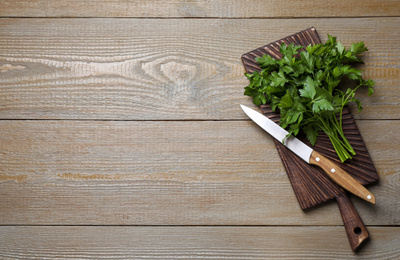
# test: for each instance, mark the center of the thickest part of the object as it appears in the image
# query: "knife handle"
(356, 231)
(342, 178)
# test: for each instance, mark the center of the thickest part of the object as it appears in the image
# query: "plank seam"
(204, 18)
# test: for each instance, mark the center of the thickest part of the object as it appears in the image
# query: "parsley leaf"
(321, 104)
(311, 133)
(309, 89)
(358, 48)
(278, 79)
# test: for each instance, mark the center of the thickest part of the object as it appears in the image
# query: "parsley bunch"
(306, 90)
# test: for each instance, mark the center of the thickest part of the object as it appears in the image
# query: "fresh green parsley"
(305, 90)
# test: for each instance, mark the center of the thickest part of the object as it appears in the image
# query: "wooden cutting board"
(311, 186)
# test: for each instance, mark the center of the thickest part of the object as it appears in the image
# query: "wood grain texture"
(162, 69)
(356, 231)
(98, 161)
(341, 177)
(198, 8)
(168, 172)
(192, 243)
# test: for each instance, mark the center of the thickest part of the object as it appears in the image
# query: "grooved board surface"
(121, 134)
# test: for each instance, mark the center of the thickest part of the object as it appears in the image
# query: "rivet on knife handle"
(342, 178)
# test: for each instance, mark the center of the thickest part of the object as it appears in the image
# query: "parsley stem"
(346, 101)
(330, 127)
(339, 130)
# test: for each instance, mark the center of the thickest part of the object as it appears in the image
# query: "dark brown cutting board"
(311, 186)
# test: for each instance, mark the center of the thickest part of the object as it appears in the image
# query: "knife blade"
(337, 174)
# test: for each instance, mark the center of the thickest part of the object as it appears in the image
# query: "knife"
(337, 174)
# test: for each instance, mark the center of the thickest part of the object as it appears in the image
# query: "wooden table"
(121, 134)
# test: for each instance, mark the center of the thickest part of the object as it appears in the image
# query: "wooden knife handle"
(355, 228)
(342, 178)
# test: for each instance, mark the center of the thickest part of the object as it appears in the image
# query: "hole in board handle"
(357, 231)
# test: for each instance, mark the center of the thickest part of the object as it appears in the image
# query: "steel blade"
(295, 145)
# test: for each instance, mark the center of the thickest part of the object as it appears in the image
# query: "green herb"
(306, 90)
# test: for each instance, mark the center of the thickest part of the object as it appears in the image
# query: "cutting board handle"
(355, 228)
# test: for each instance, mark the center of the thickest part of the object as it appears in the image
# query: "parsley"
(306, 90)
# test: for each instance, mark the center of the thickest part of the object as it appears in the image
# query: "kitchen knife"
(337, 174)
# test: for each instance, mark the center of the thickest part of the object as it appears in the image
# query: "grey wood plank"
(165, 69)
(179, 242)
(199, 8)
(168, 173)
